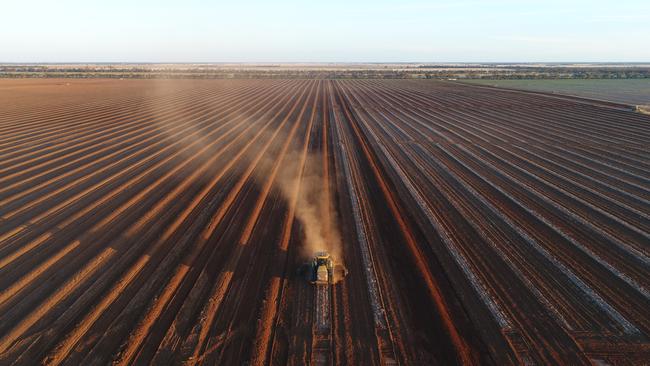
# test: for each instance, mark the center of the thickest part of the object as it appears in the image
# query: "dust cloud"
(300, 179)
(313, 207)
(299, 176)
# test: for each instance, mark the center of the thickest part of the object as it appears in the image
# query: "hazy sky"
(332, 30)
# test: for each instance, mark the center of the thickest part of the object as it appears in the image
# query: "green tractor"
(322, 270)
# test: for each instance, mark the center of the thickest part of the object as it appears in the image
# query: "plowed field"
(167, 222)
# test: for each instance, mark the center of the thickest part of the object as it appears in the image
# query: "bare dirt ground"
(165, 222)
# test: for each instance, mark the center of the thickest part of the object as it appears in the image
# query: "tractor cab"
(322, 268)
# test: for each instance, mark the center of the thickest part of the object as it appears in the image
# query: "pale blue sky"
(324, 31)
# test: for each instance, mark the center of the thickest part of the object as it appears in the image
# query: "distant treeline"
(443, 72)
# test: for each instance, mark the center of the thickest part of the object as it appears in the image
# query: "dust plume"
(301, 180)
(313, 206)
